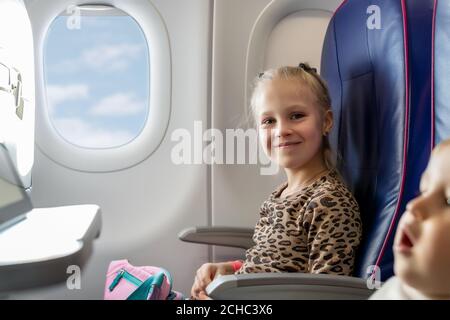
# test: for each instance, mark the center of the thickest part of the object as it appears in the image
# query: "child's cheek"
(265, 141)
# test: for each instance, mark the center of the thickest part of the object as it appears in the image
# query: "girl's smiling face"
(422, 242)
(291, 123)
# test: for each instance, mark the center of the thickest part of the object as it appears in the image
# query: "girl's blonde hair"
(306, 75)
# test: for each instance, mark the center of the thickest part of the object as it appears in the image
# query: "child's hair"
(306, 75)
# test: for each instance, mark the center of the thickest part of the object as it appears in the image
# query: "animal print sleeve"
(334, 233)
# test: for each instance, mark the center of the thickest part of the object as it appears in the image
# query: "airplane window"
(96, 67)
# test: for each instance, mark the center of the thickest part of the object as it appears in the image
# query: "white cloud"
(101, 58)
(111, 57)
(84, 134)
(119, 104)
(65, 66)
(56, 94)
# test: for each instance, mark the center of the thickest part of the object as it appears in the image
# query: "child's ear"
(327, 122)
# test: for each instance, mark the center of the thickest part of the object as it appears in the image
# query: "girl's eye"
(447, 200)
(297, 116)
(267, 121)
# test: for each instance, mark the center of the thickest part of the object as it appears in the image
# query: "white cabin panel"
(146, 205)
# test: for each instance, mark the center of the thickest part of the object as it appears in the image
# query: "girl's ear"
(327, 122)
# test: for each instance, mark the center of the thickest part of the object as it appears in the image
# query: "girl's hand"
(205, 275)
(203, 296)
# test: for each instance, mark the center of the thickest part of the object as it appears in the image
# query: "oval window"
(96, 67)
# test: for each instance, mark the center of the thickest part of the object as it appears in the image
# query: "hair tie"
(307, 68)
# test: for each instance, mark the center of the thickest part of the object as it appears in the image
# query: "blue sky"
(97, 80)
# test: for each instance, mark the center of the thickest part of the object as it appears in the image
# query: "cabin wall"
(144, 207)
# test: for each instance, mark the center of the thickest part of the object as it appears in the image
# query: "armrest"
(287, 286)
(222, 236)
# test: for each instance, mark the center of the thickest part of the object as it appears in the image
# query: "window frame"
(49, 140)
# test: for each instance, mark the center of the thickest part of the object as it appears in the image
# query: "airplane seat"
(366, 61)
(366, 70)
(380, 82)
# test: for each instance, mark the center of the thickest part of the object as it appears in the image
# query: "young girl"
(310, 223)
(422, 241)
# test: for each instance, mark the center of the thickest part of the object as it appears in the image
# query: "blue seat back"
(379, 81)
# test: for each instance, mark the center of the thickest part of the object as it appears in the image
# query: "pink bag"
(127, 282)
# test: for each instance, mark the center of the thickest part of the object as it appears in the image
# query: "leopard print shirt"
(316, 230)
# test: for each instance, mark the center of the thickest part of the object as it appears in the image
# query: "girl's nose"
(283, 129)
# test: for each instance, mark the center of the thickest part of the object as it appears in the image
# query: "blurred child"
(422, 241)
